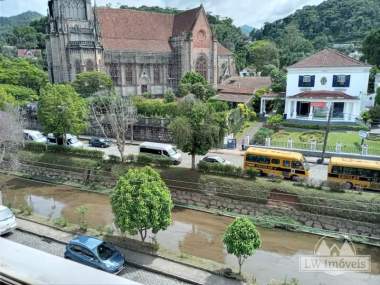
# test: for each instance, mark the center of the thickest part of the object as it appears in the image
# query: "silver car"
(216, 159)
(7, 220)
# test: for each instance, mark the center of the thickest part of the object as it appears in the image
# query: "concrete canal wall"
(208, 198)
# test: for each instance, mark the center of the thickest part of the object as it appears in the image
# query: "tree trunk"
(143, 233)
(193, 161)
(240, 259)
(121, 148)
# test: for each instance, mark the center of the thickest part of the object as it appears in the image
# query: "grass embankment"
(350, 205)
(350, 140)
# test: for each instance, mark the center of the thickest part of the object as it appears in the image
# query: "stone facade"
(141, 51)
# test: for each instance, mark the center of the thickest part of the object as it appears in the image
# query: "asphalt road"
(318, 172)
(49, 246)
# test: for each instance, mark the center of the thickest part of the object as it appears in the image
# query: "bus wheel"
(295, 178)
(347, 186)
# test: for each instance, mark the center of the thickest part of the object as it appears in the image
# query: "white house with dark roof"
(323, 80)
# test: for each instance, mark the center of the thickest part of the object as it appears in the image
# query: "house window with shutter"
(306, 81)
(341, 80)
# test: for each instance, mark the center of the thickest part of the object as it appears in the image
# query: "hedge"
(323, 126)
(78, 152)
(225, 170)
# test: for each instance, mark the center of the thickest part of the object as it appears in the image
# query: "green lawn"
(350, 140)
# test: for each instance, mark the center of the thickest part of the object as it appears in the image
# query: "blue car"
(95, 253)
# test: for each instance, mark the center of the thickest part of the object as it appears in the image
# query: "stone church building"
(141, 51)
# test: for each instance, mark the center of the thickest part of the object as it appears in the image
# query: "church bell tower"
(73, 43)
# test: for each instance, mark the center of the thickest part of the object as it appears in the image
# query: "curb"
(157, 271)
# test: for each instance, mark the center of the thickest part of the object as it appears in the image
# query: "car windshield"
(72, 140)
(220, 159)
(5, 214)
(172, 151)
(38, 136)
(105, 252)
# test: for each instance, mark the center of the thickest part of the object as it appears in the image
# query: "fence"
(316, 148)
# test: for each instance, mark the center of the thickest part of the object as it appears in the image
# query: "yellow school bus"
(352, 173)
(284, 164)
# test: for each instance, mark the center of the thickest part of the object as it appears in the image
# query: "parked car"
(34, 136)
(7, 220)
(216, 159)
(161, 149)
(96, 253)
(71, 141)
(100, 142)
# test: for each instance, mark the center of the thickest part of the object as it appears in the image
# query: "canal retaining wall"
(208, 198)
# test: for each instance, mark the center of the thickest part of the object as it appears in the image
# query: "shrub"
(35, 147)
(261, 135)
(275, 121)
(169, 96)
(78, 152)
(323, 126)
(61, 222)
(220, 169)
(251, 173)
(114, 158)
(145, 158)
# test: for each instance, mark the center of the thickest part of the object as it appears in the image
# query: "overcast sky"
(250, 12)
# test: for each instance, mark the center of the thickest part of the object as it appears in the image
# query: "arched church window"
(156, 74)
(89, 65)
(201, 66)
(115, 73)
(78, 67)
(129, 74)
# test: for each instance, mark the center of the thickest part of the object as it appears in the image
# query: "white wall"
(358, 82)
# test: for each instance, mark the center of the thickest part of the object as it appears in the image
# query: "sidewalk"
(152, 263)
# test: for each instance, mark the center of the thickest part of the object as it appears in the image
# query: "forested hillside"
(332, 21)
(8, 23)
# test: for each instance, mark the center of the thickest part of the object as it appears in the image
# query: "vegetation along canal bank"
(192, 233)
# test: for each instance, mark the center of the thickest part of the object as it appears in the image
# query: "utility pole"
(320, 161)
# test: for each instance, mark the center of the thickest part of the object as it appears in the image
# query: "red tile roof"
(236, 98)
(184, 22)
(328, 58)
(125, 29)
(323, 95)
(223, 50)
(244, 85)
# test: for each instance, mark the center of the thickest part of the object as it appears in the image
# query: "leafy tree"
(278, 80)
(371, 47)
(241, 239)
(140, 202)
(377, 98)
(23, 37)
(23, 73)
(196, 84)
(88, 84)
(339, 21)
(374, 113)
(198, 129)
(293, 46)
(6, 99)
(267, 69)
(21, 95)
(263, 53)
(61, 110)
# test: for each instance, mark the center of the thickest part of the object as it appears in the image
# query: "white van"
(71, 141)
(34, 136)
(161, 149)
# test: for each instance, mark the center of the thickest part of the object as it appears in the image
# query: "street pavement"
(318, 172)
(55, 248)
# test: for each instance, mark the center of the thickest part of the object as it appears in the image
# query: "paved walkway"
(156, 264)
